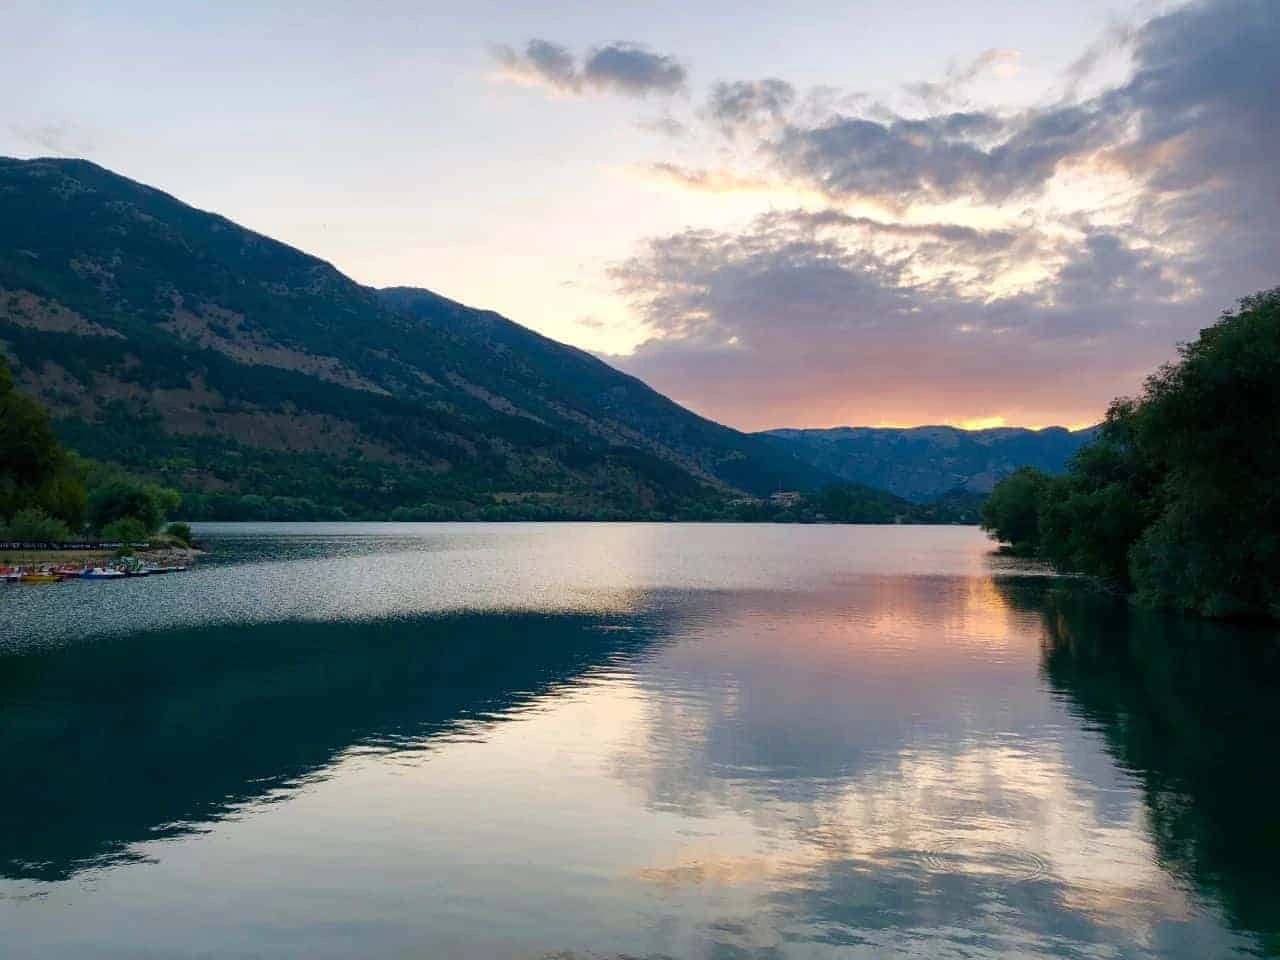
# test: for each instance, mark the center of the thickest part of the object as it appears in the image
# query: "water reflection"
(821, 743)
(153, 735)
(798, 692)
(874, 771)
(1192, 709)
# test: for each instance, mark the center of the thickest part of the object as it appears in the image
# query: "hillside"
(924, 463)
(263, 382)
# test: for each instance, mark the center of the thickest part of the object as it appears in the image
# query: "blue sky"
(801, 214)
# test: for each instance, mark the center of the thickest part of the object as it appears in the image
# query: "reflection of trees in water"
(1193, 710)
(155, 734)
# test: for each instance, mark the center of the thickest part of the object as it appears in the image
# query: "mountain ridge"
(174, 340)
(265, 383)
(929, 461)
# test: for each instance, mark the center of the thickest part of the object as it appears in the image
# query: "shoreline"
(166, 554)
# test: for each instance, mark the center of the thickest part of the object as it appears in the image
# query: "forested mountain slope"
(262, 381)
(923, 463)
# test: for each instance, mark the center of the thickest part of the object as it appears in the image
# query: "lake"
(641, 740)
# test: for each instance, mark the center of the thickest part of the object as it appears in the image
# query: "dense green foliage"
(1012, 512)
(36, 475)
(48, 494)
(127, 499)
(125, 529)
(31, 524)
(180, 532)
(1178, 499)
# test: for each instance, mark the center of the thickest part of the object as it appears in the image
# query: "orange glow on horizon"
(972, 423)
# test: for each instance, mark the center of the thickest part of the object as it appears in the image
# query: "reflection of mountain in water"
(1193, 710)
(152, 734)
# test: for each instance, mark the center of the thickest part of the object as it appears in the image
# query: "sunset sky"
(780, 214)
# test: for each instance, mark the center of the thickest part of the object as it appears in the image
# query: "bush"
(36, 525)
(123, 497)
(180, 531)
(126, 530)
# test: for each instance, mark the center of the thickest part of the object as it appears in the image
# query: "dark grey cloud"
(826, 270)
(820, 312)
(1205, 102)
(974, 154)
(631, 69)
(749, 104)
(1205, 76)
(625, 68)
(947, 239)
(819, 316)
(544, 61)
(1107, 271)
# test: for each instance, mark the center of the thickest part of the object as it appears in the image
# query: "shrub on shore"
(126, 530)
(33, 525)
(180, 532)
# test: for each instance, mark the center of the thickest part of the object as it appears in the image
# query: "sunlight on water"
(318, 571)
(640, 740)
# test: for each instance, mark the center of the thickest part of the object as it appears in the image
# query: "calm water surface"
(511, 741)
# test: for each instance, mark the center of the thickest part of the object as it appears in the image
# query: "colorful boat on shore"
(102, 573)
(117, 570)
(40, 576)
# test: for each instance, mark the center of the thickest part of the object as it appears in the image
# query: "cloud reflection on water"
(875, 772)
(762, 742)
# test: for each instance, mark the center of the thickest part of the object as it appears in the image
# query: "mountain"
(924, 463)
(263, 382)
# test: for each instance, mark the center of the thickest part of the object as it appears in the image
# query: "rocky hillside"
(263, 382)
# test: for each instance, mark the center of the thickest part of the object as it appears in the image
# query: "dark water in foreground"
(586, 740)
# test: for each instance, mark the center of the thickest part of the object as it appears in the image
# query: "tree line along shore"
(1177, 500)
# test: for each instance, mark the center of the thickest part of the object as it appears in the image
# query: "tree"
(125, 497)
(35, 472)
(1211, 420)
(1012, 512)
(1090, 517)
(1178, 499)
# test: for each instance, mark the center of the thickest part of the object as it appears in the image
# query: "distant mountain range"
(182, 345)
(262, 382)
(924, 463)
